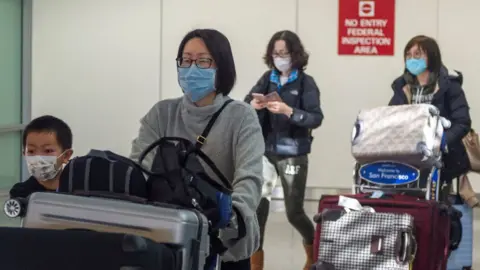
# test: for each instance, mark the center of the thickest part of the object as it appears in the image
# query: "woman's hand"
(257, 104)
(278, 107)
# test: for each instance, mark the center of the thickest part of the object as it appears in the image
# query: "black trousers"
(293, 173)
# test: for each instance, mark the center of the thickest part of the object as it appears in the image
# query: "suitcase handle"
(434, 111)
(406, 247)
(123, 197)
(110, 195)
(356, 131)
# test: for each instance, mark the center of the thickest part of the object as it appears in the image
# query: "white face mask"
(43, 168)
(282, 64)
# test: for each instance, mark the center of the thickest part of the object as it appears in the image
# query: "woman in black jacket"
(287, 126)
(427, 80)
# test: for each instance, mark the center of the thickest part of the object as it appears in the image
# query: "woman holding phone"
(287, 101)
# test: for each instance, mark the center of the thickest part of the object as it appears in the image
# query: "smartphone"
(260, 97)
(274, 96)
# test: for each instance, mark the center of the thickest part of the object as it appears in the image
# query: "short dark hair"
(219, 47)
(430, 47)
(48, 123)
(295, 47)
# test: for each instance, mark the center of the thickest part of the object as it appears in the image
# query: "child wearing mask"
(47, 146)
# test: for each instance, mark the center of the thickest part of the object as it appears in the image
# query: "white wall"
(248, 24)
(101, 65)
(96, 64)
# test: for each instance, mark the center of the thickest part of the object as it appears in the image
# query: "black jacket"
(26, 188)
(290, 136)
(450, 99)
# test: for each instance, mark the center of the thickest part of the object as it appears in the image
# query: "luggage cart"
(391, 177)
(406, 173)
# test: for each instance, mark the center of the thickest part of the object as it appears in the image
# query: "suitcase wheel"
(13, 208)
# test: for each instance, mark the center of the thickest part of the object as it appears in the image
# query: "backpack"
(177, 177)
(103, 171)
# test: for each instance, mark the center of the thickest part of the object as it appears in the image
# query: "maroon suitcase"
(432, 225)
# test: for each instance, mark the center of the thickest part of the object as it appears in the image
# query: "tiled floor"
(283, 246)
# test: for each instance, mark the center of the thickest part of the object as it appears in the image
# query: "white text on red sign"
(366, 35)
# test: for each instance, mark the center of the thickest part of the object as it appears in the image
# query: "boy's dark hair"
(430, 47)
(48, 123)
(219, 47)
(294, 46)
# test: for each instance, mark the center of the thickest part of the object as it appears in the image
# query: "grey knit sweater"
(235, 144)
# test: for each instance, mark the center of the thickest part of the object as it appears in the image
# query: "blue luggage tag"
(443, 145)
(224, 203)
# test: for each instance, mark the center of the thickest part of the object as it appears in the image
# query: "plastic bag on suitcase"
(411, 134)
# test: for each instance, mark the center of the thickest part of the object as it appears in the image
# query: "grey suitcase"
(162, 224)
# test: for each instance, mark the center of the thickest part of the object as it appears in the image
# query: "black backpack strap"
(202, 139)
(227, 185)
(86, 179)
(70, 175)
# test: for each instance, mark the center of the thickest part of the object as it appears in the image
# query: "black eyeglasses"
(200, 62)
(417, 54)
(281, 54)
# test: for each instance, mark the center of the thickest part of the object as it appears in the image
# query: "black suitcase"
(41, 249)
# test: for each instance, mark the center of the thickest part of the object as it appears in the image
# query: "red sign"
(366, 27)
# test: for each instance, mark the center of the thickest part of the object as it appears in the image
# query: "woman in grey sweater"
(206, 74)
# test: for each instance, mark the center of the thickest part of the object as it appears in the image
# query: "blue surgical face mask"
(196, 82)
(416, 66)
